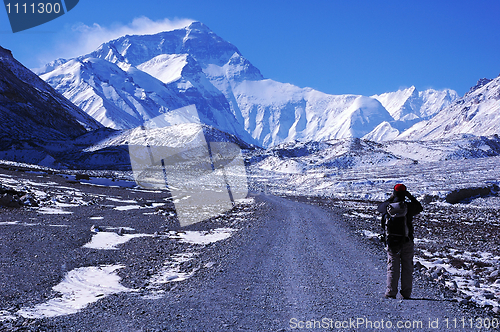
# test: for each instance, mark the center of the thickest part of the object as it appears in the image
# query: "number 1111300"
(40, 8)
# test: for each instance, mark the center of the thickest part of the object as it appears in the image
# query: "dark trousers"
(400, 262)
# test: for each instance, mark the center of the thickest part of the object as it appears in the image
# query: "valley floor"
(270, 264)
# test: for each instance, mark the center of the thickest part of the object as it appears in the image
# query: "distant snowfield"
(363, 170)
(374, 184)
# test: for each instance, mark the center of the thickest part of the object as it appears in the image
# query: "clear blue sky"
(360, 47)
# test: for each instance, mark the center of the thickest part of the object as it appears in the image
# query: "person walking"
(397, 223)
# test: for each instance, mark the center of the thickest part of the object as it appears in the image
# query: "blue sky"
(360, 47)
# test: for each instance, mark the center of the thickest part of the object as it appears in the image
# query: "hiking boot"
(390, 296)
(405, 296)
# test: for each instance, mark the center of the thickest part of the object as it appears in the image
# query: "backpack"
(396, 228)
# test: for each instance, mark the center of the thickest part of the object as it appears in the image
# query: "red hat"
(400, 187)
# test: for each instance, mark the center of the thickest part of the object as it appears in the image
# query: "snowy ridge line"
(162, 72)
(25, 97)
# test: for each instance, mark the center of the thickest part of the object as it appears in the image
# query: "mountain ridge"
(29, 107)
(164, 71)
(477, 112)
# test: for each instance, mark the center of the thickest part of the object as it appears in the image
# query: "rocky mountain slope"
(30, 108)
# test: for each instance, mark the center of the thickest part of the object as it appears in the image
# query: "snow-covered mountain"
(410, 104)
(277, 112)
(30, 109)
(408, 107)
(476, 113)
(134, 78)
(357, 154)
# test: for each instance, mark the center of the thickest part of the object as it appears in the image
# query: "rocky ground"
(457, 247)
(41, 242)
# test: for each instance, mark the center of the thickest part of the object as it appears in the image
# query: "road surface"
(298, 267)
(292, 266)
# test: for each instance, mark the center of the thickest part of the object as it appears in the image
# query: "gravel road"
(291, 265)
(298, 267)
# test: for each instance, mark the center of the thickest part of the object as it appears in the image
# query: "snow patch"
(110, 240)
(170, 272)
(49, 210)
(127, 207)
(119, 200)
(79, 288)
(203, 237)
(6, 315)
(369, 234)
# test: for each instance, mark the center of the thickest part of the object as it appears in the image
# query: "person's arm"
(382, 208)
(416, 207)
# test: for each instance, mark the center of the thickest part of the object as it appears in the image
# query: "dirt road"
(292, 265)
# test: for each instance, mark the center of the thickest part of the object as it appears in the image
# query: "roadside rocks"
(453, 286)
(494, 276)
(434, 273)
(427, 199)
(12, 198)
(465, 194)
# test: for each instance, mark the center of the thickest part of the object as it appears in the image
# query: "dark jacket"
(414, 208)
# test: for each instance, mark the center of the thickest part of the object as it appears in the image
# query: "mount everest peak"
(134, 78)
